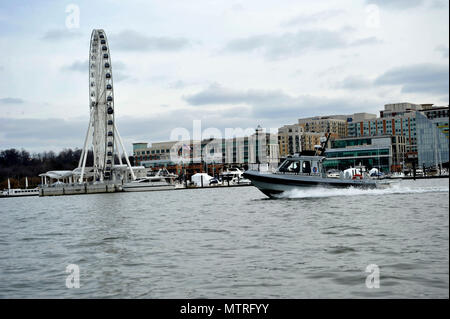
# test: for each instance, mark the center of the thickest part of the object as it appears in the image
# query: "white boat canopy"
(57, 174)
(197, 179)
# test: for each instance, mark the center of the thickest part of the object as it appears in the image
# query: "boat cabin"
(302, 165)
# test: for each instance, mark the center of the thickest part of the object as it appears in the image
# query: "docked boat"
(162, 180)
(334, 173)
(19, 192)
(235, 176)
(397, 175)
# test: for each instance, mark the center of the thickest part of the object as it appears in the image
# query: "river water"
(229, 243)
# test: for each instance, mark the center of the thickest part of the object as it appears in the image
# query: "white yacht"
(162, 180)
(333, 173)
(397, 175)
(235, 176)
(19, 192)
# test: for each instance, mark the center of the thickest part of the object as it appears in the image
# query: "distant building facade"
(294, 139)
(209, 155)
(305, 135)
(425, 129)
(336, 124)
(385, 152)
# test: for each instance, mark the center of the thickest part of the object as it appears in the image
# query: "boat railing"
(265, 168)
(299, 173)
(76, 184)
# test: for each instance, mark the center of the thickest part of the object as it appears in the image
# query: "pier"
(77, 189)
(90, 188)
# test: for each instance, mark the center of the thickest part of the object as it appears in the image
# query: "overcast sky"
(227, 63)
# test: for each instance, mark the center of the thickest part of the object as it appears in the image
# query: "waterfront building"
(156, 151)
(211, 155)
(305, 135)
(397, 109)
(337, 125)
(293, 139)
(385, 152)
(289, 139)
(438, 115)
(425, 128)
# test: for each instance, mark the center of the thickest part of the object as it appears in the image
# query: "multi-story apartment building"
(293, 139)
(306, 134)
(425, 129)
(320, 124)
(289, 139)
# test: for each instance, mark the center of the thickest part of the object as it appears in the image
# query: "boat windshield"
(290, 166)
(300, 166)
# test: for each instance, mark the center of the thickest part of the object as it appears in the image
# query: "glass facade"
(381, 163)
(432, 143)
(351, 142)
(342, 158)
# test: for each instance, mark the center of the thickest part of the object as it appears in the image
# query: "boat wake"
(334, 192)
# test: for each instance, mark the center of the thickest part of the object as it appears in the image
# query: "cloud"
(354, 82)
(396, 4)
(55, 134)
(439, 4)
(366, 41)
(319, 16)
(130, 40)
(178, 84)
(41, 134)
(61, 35)
(275, 104)
(119, 68)
(11, 100)
(83, 66)
(78, 66)
(418, 78)
(239, 109)
(294, 44)
(443, 49)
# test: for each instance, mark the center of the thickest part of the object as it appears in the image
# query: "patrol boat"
(298, 172)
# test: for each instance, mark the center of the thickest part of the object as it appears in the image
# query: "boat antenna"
(324, 145)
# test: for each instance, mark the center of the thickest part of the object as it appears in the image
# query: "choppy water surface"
(229, 243)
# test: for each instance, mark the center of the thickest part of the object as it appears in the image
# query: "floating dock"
(77, 189)
(80, 189)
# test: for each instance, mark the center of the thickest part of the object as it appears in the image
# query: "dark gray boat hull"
(275, 184)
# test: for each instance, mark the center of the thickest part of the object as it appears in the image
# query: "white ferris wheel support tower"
(102, 130)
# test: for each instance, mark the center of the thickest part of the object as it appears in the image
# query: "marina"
(223, 152)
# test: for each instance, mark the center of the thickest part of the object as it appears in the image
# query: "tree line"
(19, 164)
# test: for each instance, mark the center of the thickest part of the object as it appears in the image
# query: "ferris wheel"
(102, 128)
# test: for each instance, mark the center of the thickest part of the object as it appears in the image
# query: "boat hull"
(147, 188)
(275, 184)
